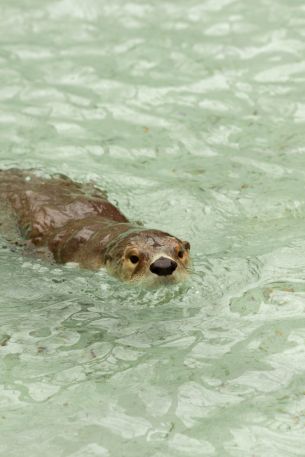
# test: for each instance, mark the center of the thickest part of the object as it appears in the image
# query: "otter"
(73, 222)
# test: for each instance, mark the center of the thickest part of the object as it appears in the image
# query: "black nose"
(163, 266)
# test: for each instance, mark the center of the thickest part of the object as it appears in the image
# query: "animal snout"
(163, 266)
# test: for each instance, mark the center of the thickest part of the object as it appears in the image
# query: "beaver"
(75, 222)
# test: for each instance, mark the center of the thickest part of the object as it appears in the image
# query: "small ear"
(186, 245)
(107, 258)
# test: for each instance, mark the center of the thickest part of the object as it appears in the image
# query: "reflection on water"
(192, 118)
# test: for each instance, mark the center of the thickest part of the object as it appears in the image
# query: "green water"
(191, 115)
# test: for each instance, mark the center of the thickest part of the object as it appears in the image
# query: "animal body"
(74, 222)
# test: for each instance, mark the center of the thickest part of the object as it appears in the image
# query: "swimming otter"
(75, 222)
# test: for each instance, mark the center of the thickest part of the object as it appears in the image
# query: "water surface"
(192, 117)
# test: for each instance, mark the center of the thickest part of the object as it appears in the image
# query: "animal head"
(149, 256)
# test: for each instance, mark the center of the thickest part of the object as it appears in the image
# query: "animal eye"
(180, 254)
(134, 259)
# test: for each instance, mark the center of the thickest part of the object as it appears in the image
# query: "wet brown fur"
(75, 222)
